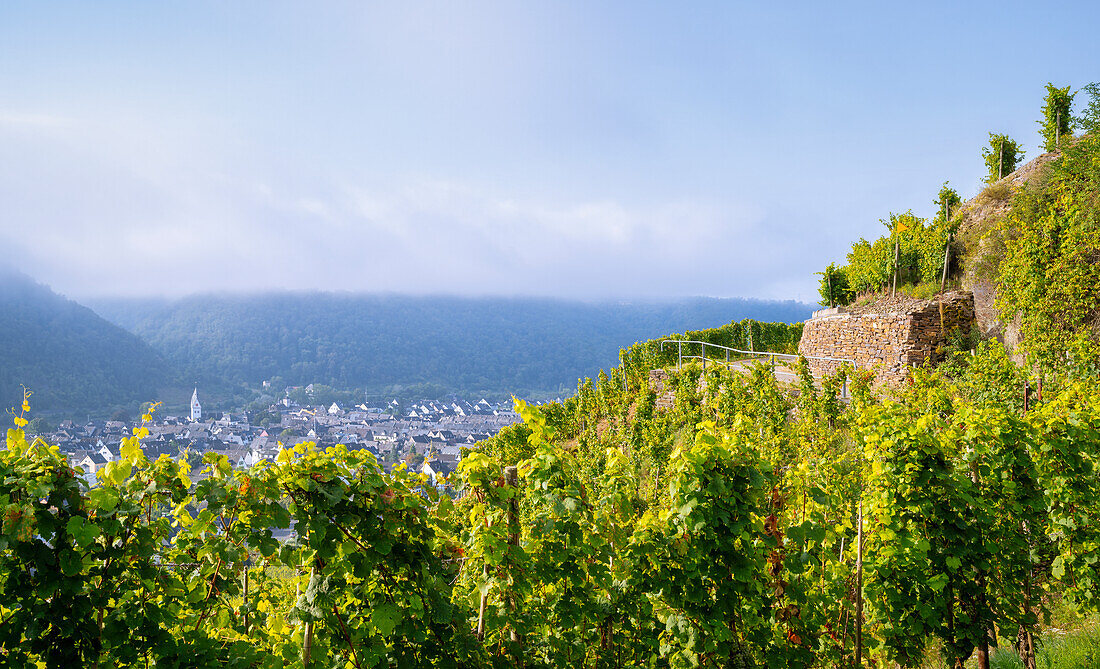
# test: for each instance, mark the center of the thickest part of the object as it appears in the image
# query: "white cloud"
(126, 203)
(32, 121)
(210, 232)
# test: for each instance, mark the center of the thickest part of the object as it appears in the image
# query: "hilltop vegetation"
(1049, 273)
(70, 357)
(473, 346)
(77, 363)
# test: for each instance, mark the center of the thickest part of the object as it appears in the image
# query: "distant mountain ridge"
(67, 355)
(471, 345)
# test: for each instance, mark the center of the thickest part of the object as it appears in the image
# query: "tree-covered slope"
(459, 344)
(66, 354)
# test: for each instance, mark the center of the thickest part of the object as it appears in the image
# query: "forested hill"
(491, 345)
(66, 354)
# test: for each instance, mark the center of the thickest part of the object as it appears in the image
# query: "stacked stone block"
(887, 342)
(658, 382)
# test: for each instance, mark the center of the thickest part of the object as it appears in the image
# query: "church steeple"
(196, 408)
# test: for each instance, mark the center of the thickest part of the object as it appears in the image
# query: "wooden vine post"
(946, 258)
(946, 248)
(1025, 645)
(859, 585)
(481, 607)
(307, 637)
(484, 596)
(245, 595)
(982, 650)
(511, 479)
(897, 250)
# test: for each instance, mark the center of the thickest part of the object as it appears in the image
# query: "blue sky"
(581, 149)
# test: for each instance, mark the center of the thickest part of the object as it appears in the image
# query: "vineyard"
(746, 526)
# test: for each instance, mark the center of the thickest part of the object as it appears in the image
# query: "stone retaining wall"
(666, 397)
(888, 342)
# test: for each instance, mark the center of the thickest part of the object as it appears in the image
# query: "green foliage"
(1067, 432)
(870, 265)
(948, 552)
(947, 201)
(1001, 157)
(1076, 650)
(720, 532)
(919, 245)
(1089, 120)
(710, 542)
(834, 287)
(411, 347)
(1049, 276)
(989, 377)
(325, 396)
(1057, 121)
(73, 359)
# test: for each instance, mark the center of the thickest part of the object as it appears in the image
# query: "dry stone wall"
(888, 340)
(658, 381)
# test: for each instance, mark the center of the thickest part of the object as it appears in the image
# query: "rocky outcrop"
(978, 230)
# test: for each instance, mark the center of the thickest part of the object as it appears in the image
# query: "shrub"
(1057, 121)
(1001, 156)
(834, 288)
(1089, 120)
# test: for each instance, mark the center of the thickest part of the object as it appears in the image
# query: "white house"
(91, 464)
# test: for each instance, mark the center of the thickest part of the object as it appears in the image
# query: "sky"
(585, 150)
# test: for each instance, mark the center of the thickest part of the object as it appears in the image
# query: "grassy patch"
(995, 193)
(921, 291)
(1075, 650)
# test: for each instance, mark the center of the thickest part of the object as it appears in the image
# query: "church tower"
(196, 408)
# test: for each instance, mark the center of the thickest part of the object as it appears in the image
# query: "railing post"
(679, 354)
(704, 345)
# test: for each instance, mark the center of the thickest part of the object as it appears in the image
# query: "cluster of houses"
(428, 435)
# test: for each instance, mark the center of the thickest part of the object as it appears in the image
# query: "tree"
(1001, 156)
(1056, 120)
(265, 418)
(834, 287)
(38, 425)
(1089, 120)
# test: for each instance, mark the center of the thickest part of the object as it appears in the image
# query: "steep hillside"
(494, 345)
(1027, 247)
(66, 354)
(980, 218)
(1032, 256)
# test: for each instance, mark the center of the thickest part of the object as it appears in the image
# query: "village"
(427, 435)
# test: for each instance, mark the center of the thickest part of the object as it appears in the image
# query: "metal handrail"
(680, 357)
